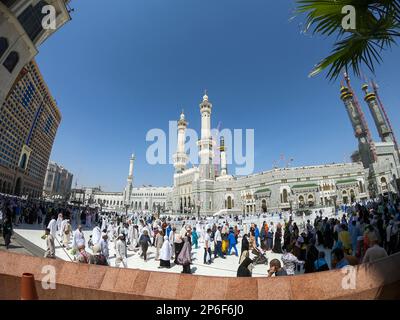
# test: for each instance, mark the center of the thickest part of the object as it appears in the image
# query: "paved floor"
(21, 245)
(220, 267)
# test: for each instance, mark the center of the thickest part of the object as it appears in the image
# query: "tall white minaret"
(129, 181)
(180, 157)
(224, 167)
(206, 144)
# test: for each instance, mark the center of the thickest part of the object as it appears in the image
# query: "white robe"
(53, 227)
(103, 224)
(63, 223)
(78, 238)
(166, 250)
(96, 235)
(121, 252)
(59, 224)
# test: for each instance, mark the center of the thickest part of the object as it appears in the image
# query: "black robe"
(243, 270)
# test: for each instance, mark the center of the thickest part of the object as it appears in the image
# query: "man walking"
(51, 249)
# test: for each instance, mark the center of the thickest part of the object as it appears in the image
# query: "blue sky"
(123, 67)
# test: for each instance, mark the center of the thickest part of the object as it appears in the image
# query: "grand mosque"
(202, 189)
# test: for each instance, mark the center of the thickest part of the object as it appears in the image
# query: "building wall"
(58, 181)
(16, 24)
(140, 199)
(29, 119)
(278, 189)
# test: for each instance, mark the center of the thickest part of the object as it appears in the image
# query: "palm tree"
(377, 29)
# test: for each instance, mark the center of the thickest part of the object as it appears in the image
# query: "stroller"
(260, 257)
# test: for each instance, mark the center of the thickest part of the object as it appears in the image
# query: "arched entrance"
(384, 185)
(284, 198)
(310, 200)
(345, 197)
(352, 196)
(264, 205)
(301, 201)
(17, 189)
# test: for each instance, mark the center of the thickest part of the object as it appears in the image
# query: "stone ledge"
(378, 280)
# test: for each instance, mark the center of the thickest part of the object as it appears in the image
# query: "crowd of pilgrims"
(365, 233)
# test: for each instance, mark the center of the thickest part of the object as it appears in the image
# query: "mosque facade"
(203, 190)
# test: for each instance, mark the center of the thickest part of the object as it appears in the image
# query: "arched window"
(22, 164)
(11, 61)
(284, 196)
(3, 46)
(360, 185)
(229, 202)
(310, 200)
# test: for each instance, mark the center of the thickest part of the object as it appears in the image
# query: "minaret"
(224, 169)
(359, 126)
(381, 124)
(129, 181)
(180, 157)
(206, 144)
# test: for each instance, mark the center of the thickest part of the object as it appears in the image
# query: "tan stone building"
(29, 119)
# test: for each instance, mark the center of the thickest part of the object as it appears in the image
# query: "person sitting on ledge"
(275, 269)
(374, 252)
(338, 259)
(321, 264)
(83, 255)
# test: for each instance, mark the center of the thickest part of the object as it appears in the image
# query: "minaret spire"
(224, 169)
(129, 181)
(206, 143)
(180, 157)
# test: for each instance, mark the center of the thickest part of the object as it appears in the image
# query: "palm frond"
(377, 28)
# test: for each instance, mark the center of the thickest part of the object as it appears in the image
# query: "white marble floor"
(221, 267)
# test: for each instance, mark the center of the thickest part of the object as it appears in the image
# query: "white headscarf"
(166, 250)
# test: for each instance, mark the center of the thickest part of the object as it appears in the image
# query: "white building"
(58, 182)
(202, 190)
(145, 198)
